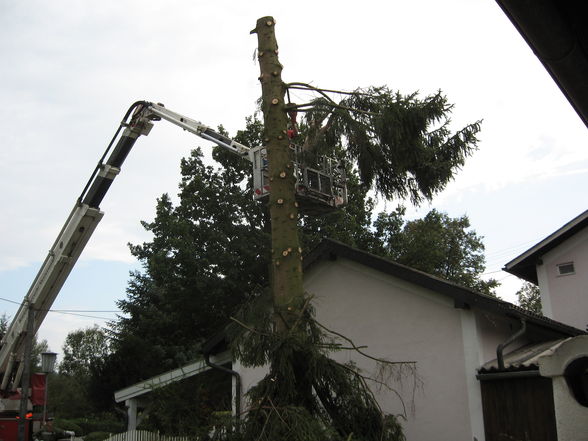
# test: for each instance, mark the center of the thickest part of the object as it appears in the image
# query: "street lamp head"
(48, 362)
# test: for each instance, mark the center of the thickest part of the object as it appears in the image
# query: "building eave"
(524, 265)
(556, 32)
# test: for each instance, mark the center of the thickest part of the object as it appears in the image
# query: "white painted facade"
(401, 321)
(404, 315)
(565, 297)
(571, 417)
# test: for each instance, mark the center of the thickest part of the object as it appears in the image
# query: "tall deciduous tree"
(82, 349)
(436, 244)
(529, 298)
(209, 253)
(83, 352)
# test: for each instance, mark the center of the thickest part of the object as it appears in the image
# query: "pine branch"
(358, 348)
(249, 328)
(306, 86)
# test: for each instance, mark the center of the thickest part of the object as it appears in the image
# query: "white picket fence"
(144, 435)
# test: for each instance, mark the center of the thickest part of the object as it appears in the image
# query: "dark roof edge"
(330, 249)
(555, 46)
(524, 265)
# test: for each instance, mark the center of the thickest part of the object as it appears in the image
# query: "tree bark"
(286, 281)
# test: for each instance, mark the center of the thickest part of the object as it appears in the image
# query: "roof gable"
(524, 265)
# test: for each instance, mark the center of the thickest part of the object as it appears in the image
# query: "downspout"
(512, 338)
(237, 382)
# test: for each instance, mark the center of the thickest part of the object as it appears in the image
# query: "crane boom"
(82, 222)
(320, 188)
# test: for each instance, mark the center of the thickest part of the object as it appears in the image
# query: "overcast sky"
(71, 68)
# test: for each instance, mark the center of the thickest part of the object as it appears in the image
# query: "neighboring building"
(451, 333)
(559, 266)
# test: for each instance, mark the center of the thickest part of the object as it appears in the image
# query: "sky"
(70, 69)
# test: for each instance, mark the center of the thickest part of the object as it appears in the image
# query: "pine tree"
(399, 152)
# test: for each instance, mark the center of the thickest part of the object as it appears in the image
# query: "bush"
(63, 424)
(100, 423)
(96, 436)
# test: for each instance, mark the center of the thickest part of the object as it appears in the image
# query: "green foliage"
(68, 396)
(72, 391)
(61, 425)
(436, 244)
(352, 224)
(101, 422)
(38, 348)
(402, 144)
(188, 407)
(306, 395)
(97, 436)
(529, 298)
(209, 257)
(82, 349)
(3, 325)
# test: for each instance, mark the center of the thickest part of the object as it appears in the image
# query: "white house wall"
(566, 296)
(400, 322)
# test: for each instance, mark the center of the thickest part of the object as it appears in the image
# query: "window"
(563, 269)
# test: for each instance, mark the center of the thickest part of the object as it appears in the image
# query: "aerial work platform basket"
(320, 181)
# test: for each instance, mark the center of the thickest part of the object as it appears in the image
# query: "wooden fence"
(144, 435)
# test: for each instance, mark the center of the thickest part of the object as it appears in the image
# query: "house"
(451, 332)
(559, 266)
(448, 331)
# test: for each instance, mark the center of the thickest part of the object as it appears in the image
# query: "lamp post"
(47, 367)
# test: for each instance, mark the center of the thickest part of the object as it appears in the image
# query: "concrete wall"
(402, 322)
(565, 297)
(571, 417)
(399, 322)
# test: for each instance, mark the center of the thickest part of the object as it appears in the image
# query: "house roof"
(525, 358)
(186, 371)
(524, 266)
(463, 297)
(329, 249)
(557, 33)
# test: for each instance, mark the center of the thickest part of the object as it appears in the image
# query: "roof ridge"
(464, 295)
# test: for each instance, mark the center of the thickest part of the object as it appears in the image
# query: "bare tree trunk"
(287, 289)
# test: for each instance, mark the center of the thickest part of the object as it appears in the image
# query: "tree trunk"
(287, 289)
